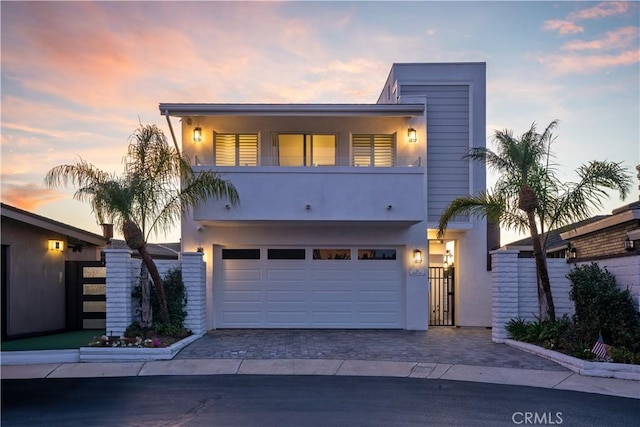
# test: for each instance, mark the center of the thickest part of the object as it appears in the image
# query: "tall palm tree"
(157, 186)
(529, 197)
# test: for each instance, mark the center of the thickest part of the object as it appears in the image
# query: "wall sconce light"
(308, 207)
(389, 207)
(200, 249)
(629, 245)
(447, 258)
(413, 135)
(570, 254)
(197, 134)
(417, 256)
(56, 245)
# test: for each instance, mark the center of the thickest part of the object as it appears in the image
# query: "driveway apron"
(445, 345)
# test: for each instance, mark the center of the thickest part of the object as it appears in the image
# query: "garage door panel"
(232, 275)
(378, 275)
(242, 296)
(333, 317)
(332, 296)
(287, 317)
(242, 317)
(384, 296)
(281, 295)
(332, 275)
(280, 275)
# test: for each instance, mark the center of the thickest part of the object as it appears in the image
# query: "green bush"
(602, 308)
(176, 294)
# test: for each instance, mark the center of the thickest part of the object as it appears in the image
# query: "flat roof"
(328, 110)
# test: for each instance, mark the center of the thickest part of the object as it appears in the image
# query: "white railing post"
(194, 278)
(504, 286)
(119, 281)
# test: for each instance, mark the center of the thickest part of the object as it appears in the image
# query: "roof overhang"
(34, 220)
(326, 110)
(607, 222)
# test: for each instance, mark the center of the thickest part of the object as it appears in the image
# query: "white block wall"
(514, 286)
(123, 273)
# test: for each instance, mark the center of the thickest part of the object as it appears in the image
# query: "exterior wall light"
(629, 245)
(56, 245)
(447, 258)
(570, 254)
(417, 256)
(197, 134)
(413, 135)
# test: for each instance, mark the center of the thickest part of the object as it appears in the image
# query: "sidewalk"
(460, 354)
(553, 379)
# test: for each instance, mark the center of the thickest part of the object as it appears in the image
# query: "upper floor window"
(302, 149)
(235, 149)
(373, 150)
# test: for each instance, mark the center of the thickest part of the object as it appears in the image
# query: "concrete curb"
(37, 357)
(582, 367)
(560, 380)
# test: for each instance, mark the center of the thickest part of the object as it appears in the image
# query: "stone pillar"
(504, 290)
(194, 278)
(119, 281)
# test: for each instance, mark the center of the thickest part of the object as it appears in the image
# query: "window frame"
(375, 144)
(307, 145)
(237, 145)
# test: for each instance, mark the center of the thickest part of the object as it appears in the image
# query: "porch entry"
(86, 289)
(442, 283)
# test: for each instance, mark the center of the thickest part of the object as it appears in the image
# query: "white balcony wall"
(321, 194)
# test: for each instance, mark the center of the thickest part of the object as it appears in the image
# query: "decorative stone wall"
(514, 286)
(122, 275)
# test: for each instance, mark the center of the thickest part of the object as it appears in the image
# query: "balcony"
(318, 194)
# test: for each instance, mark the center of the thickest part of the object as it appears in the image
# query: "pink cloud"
(617, 39)
(587, 64)
(29, 196)
(562, 26)
(602, 10)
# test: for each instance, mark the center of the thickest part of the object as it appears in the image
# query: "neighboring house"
(36, 252)
(339, 206)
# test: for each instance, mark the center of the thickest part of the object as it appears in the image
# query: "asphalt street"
(264, 400)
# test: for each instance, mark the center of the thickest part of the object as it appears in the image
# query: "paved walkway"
(456, 346)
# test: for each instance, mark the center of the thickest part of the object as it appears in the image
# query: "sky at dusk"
(78, 77)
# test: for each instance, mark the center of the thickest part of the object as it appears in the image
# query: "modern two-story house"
(339, 204)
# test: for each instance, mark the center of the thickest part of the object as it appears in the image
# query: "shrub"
(176, 294)
(602, 308)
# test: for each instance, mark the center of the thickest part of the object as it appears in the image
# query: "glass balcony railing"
(324, 162)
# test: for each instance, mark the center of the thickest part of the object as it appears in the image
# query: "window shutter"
(248, 150)
(236, 149)
(373, 150)
(225, 149)
(383, 150)
(361, 150)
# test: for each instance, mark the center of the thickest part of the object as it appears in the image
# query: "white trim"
(401, 110)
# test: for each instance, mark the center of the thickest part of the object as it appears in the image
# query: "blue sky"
(78, 77)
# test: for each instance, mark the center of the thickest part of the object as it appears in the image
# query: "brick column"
(119, 281)
(504, 290)
(194, 278)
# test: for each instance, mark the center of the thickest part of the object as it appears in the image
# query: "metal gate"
(86, 295)
(441, 296)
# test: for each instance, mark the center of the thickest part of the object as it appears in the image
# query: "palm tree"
(529, 197)
(156, 188)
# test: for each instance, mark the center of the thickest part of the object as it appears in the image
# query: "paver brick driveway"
(457, 346)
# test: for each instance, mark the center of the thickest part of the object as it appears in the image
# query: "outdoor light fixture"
(447, 258)
(570, 254)
(56, 245)
(412, 134)
(629, 245)
(197, 134)
(417, 256)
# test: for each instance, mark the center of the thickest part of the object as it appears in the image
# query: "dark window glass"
(332, 254)
(384, 254)
(241, 254)
(285, 254)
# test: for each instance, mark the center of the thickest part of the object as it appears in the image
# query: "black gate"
(86, 295)
(441, 296)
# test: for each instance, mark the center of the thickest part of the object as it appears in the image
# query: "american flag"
(600, 349)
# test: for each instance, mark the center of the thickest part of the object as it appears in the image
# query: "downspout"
(173, 135)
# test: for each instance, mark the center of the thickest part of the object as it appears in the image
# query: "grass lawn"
(63, 341)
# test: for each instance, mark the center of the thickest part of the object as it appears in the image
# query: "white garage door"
(308, 288)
